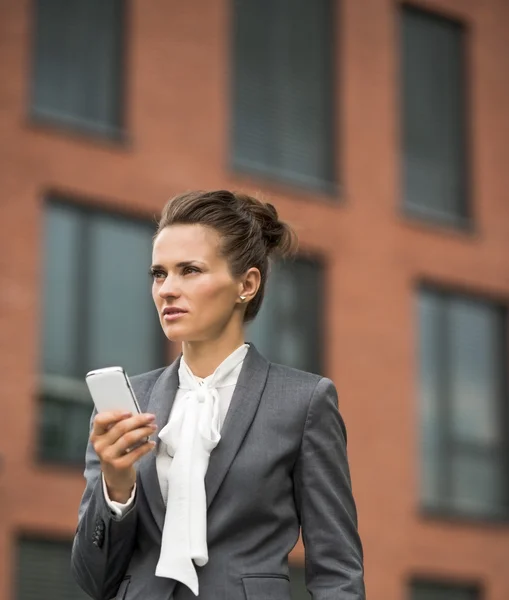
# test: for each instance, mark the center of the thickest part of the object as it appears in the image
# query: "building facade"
(379, 130)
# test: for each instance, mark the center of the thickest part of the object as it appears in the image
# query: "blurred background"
(380, 130)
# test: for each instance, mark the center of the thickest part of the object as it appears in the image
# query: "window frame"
(54, 120)
(244, 168)
(446, 509)
(314, 260)
(52, 538)
(473, 589)
(54, 387)
(427, 215)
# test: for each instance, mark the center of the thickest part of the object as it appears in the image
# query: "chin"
(178, 334)
(175, 333)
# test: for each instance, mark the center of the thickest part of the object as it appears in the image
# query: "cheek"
(213, 296)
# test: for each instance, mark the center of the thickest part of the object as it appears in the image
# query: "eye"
(189, 269)
(157, 274)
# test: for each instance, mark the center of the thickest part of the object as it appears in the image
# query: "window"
(463, 361)
(43, 571)
(425, 590)
(77, 71)
(283, 90)
(288, 327)
(98, 312)
(434, 116)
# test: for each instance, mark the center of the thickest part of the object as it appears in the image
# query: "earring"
(243, 298)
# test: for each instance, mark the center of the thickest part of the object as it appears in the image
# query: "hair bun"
(278, 236)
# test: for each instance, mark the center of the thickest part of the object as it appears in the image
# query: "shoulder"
(304, 399)
(299, 384)
(293, 377)
(308, 388)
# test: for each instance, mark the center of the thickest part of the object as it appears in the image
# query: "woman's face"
(193, 289)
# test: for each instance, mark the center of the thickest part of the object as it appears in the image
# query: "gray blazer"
(281, 464)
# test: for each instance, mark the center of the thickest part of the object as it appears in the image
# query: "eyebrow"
(180, 265)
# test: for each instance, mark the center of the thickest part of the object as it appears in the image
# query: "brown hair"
(250, 230)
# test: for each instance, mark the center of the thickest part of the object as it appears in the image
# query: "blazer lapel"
(241, 412)
(159, 404)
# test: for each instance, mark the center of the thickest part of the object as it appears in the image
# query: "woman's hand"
(113, 435)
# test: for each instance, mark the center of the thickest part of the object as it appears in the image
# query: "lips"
(173, 312)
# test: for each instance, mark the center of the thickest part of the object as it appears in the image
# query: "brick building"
(379, 129)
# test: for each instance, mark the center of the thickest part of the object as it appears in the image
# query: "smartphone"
(111, 389)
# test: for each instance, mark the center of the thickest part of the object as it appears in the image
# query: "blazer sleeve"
(104, 543)
(326, 507)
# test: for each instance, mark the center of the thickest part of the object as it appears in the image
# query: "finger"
(122, 427)
(127, 460)
(131, 439)
(105, 420)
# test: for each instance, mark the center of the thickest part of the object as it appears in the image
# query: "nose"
(169, 288)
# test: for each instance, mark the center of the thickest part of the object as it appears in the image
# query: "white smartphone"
(111, 389)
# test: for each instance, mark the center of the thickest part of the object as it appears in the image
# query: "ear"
(249, 285)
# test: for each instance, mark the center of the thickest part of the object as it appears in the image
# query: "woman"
(242, 452)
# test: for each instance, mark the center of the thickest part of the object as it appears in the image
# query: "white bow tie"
(190, 436)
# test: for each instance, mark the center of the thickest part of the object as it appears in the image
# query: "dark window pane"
(463, 383)
(434, 131)
(64, 430)
(123, 327)
(423, 590)
(298, 584)
(476, 370)
(288, 328)
(61, 309)
(430, 357)
(477, 484)
(43, 571)
(283, 90)
(77, 70)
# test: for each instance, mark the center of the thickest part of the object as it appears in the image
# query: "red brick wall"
(177, 114)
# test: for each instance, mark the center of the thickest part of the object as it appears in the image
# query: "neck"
(204, 357)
